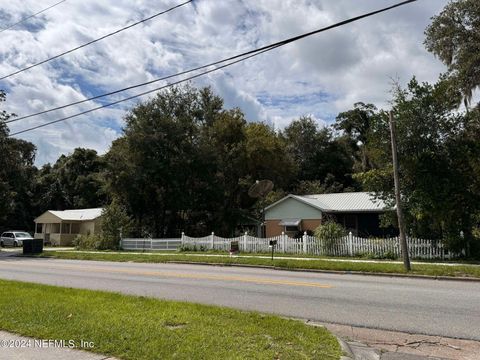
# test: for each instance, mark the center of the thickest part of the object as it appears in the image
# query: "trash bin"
(34, 246)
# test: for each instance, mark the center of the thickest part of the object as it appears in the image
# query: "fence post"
(304, 242)
(182, 238)
(212, 240)
(245, 241)
(350, 243)
(283, 241)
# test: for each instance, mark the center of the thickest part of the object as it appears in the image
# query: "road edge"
(340, 272)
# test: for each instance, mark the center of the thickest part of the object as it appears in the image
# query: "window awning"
(290, 222)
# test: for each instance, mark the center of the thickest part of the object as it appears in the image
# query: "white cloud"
(319, 76)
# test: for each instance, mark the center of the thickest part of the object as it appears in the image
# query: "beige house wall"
(87, 227)
(47, 218)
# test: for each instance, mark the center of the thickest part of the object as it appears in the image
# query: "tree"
(454, 37)
(16, 171)
(115, 221)
(158, 169)
(267, 156)
(74, 181)
(224, 145)
(185, 164)
(437, 157)
(357, 125)
(319, 157)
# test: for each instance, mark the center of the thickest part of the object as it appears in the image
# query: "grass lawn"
(381, 267)
(132, 327)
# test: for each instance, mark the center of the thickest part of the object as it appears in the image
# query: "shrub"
(188, 247)
(388, 255)
(88, 242)
(329, 233)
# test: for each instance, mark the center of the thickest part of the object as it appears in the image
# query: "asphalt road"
(432, 307)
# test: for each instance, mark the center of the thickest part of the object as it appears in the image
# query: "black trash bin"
(34, 246)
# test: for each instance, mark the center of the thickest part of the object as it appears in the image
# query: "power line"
(95, 40)
(142, 84)
(138, 95)
(280, 43)
(239, 58)
(31, 16)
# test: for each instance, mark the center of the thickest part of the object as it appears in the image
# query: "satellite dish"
(260, 189)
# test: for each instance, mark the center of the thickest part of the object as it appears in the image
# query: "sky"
(318, 77)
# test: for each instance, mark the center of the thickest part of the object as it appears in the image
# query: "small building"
(61, 227)
(358, 212)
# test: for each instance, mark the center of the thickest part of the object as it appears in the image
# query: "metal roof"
(78, 215)
(340, 202)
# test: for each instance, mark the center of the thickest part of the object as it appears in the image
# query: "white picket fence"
(349, 245)
(150, 244)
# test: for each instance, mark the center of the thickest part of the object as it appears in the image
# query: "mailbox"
(234, 247)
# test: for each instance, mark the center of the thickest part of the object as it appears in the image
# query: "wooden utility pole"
(398, 200)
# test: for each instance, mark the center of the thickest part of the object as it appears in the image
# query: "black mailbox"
(273, 242)
(33, 246)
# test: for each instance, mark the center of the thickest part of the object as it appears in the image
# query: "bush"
(191, 248)
(388, 255)
(88, 242)
(329, 233)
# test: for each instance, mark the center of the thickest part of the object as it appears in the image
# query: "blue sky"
(320, 76)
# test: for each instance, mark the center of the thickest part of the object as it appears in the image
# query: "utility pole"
(398, 200)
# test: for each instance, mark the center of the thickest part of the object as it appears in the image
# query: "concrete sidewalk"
(366, 344)
(14, 347)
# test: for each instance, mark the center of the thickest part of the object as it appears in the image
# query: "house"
(358, 212)
(61, 227)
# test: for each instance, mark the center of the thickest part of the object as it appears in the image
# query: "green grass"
(381, 267)
(131, 327)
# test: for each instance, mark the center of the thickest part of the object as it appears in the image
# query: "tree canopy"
(454, 37)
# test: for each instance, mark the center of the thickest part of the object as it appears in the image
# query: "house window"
(39, 228)
(290, 226)
(66, 228)
(75, 228)
(55, 228)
